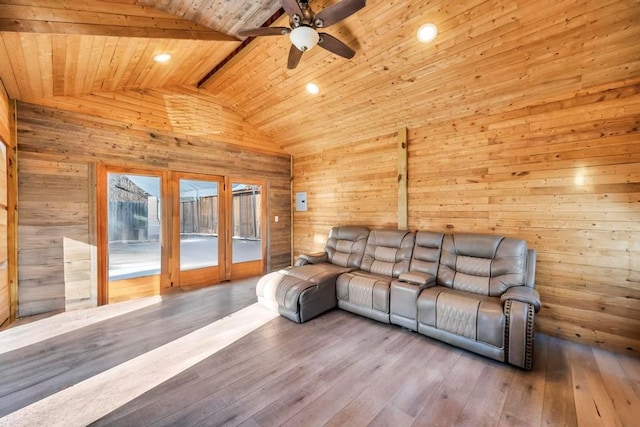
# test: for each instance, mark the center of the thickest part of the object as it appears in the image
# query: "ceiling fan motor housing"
(307, 18)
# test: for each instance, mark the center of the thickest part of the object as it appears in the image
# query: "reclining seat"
(308, 289)
(366, 291)
(421, 275)
(484, 299)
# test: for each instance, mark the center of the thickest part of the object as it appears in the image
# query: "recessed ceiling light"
(162, 57)
(313, 88)
(427, 33)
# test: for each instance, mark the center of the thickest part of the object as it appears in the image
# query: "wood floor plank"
(409, 382)
(486, 402)
(337, 369)
(208, 376)
(311, 389)
(619, 386)
(416, 386)
(523, 407)
(593, 404)
(325, 406)
(39, 370)
(219, 383)
(448, 401)
(359, 362)
(392, 416)
(558, 404)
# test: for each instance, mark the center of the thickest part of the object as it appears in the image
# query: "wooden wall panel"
(353, 184)
(524, 121)
(57, 150)
(570, 187)
(54, 255)
(177, 110)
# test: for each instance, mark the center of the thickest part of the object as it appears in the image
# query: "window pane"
(198, 224)
(134, 226)
(247, 207)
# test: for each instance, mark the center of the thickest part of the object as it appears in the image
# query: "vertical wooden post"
(291, 212)
(403, 220)
(12, 212)
(170, 231)
(102, 235)
(92, 198)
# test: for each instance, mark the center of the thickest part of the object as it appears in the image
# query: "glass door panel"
(134, 241)
(246, 229)
(199, 225)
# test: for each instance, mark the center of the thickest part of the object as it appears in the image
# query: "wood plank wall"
(58, 149)
(351, 184)
(543, 146)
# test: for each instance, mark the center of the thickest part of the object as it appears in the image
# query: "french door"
(161, 229)
(247, 243)
(197, 224)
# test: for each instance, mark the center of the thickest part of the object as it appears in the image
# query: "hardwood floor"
(338, 369)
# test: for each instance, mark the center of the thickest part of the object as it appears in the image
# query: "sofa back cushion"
(482, 264)
(388, 252)
(346, 245)
(426, 252)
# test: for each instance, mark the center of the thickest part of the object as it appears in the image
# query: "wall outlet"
(276, 219)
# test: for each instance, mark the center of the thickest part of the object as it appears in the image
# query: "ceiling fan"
(305, 23)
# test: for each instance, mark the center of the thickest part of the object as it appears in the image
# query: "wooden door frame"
(102, 209)
(203, 277)
(170, 274)
(7, 261)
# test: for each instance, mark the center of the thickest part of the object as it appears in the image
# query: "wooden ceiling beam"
(111, 22)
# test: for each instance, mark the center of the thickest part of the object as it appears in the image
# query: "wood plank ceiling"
(485, 48)
(76, 47)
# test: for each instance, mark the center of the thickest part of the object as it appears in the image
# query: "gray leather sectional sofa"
(474, 291)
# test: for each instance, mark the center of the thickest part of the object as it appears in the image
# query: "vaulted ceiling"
(488, 53)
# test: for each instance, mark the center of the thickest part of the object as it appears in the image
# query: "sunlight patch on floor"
(90, 400)
(40, 330)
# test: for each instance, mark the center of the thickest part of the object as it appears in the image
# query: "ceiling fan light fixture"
(304, 38)
(427, 33)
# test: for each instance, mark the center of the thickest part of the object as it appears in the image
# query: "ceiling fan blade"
(334, 45)
(292, 7)
(264, 31)
(337, 12)
(294, 57)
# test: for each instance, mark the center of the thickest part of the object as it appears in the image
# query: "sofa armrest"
(316, 258)
(418, 278)
(523, 294)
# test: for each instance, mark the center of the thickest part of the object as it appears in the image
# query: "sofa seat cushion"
(473, 316)
(364, 289)
(316, 273)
